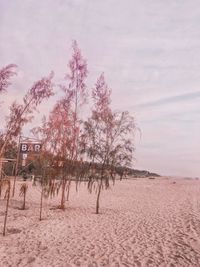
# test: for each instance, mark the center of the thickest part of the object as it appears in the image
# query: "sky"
(148, 51)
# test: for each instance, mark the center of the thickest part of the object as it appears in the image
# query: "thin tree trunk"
(98, 196)
(68, 189)
(41, 202)
(13, 169)
(13, 191)
(6, 212)
(16, 166)
(41, 197)
(1, 167)
(24, 204)
(76, 186)
(62, 203)
(100, 187)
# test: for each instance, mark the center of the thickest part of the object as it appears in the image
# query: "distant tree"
(107, 140)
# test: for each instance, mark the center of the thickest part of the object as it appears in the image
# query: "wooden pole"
(42, 191)
(1, 167)
(16, 166)
(6, 212)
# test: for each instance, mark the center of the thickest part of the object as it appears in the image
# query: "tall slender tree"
(57, 139)
(5, 75)
(108, 140)
(60, 132)
(77, 89)
(20, 114)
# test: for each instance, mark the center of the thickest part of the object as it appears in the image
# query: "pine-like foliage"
(5, 75)
(107, 140)
(20, 114)
(60, 132)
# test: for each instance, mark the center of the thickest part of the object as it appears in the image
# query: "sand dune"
(143, 222)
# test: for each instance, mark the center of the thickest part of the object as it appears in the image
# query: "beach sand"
(142, 222)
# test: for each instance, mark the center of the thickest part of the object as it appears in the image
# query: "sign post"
(26, 146)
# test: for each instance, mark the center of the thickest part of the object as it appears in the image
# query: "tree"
(5, 74)
(20, 114)
(60, 132)
(107, 140)
(10, 153)
(76, 88)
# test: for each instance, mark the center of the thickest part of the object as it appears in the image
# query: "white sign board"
(30, 148)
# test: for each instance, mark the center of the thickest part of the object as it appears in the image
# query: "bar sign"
(30, 147)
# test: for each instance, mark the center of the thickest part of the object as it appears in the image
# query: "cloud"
(167, 100)
(149, 51)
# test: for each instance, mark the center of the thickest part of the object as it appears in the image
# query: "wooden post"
(16, 166)
(41, 197)
(1, 167)
(6, 212)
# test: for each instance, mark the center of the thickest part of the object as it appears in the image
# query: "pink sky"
(149, 51)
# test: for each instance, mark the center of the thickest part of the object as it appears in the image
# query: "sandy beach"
(142, 222)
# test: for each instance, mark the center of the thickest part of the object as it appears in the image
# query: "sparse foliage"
(108, 140)
(60, 133)
(5, 75)
(77, 89)
(105, 139)
(20, 114)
